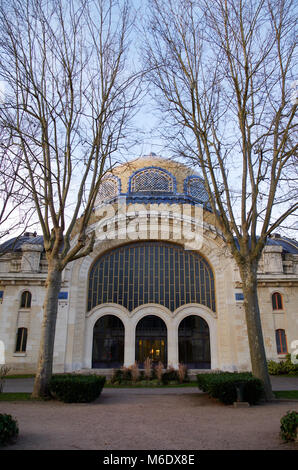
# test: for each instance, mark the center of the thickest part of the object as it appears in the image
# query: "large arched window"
(152, 179)
(151, 272)
(108, 189)
(108, 342)
(151, 340)
(194, 186)
(194, 343)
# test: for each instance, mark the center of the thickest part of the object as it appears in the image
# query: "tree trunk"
(50, 308)
(254, 328)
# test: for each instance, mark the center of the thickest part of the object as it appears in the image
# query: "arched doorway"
(194, 343)
(108, 343)
(151, 340)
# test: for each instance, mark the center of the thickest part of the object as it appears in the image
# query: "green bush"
(223, 386)
(289, 426)
(284, 367)
(275, 368)
(170, 375)
(9, 429)
(75, 388)
(117, 376)
(122, 376)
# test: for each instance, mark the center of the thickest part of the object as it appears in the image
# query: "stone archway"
(108, 343)
(194, 343)
(209, 320)
(151, 340)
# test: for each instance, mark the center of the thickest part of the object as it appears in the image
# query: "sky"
(146, 122)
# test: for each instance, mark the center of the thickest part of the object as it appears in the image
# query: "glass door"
(151, 340)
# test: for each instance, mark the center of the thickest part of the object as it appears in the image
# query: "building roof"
(288, 244)
(15, 244)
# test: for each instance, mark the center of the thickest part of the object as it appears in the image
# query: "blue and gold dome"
(153, 179)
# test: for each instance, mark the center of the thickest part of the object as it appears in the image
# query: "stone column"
(129, 344)
(173, 358)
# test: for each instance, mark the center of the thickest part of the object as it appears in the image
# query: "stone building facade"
(160, 283)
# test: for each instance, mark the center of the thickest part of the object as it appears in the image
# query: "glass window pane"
(108, 342)
(151, 272)
(194, 343)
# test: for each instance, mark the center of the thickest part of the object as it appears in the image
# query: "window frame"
(151, 272)
(171, 181)
(276, 300)
(281, 341)
(26, 304)
(21, 340)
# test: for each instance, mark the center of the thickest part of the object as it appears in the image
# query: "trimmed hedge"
(223, 386)
(9, 429)
(76, 388)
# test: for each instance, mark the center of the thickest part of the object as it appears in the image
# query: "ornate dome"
(153, 179)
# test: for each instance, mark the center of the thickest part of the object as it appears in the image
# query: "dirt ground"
(176, 419)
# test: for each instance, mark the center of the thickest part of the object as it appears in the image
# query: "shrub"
(182, 372)
(9, 429)
(283, 367)
(148, 368)
(74, 388)
(170, 375)
(135, 372)
(275, 368)
(159, 371)
(223, 386)
(289, 426)
(3, 373)
(253, 391)
(117, 376)
(126, 374)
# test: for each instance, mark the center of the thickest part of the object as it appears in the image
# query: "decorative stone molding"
(31, 257)
(273, 259)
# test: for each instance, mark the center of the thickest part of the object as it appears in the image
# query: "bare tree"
(15, 203)
(70, 98)
(222, 73)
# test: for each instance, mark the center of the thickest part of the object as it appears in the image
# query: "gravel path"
(150, 419)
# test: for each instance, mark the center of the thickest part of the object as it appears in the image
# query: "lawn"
(20, 376)
(292, 394)
(20, 396)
